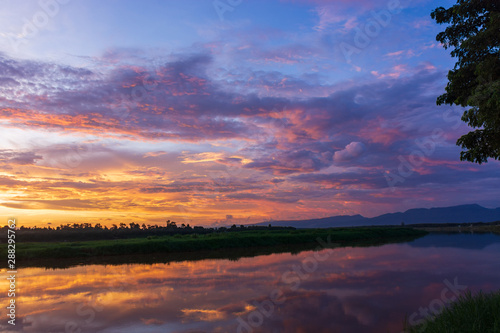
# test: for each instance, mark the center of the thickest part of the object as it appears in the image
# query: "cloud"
(364, 4)
(175, 138)
(64, 204)
(422, 23)
(178, 101)
(328, 16)
(342, 180)
(281, 197)
(351, 151)
(11, 157)
(395, 54)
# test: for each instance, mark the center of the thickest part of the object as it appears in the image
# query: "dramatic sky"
(228, 111)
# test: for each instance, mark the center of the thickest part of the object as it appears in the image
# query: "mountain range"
(455, 214)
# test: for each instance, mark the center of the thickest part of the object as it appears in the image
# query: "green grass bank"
(210, 242)
(468, 314)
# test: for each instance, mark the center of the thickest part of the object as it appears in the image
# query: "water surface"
(368, 289)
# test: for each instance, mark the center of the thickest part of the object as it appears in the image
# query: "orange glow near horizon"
(132, 143)
(88, 181)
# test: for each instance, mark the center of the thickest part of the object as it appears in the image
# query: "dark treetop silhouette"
(474, 32)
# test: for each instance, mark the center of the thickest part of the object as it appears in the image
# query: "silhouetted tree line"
(87, 231)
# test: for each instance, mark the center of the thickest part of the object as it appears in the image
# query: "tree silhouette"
(474, 33)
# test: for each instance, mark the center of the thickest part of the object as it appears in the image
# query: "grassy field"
(469, 314)
(35, 251)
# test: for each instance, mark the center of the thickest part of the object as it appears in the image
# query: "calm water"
(341, 290)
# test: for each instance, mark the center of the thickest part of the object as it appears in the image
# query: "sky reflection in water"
(347, 290)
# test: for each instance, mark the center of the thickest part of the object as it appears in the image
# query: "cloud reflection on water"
(354, 290)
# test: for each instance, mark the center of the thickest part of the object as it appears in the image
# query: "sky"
(228, 111)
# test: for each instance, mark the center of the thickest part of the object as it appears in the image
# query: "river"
(353, 289)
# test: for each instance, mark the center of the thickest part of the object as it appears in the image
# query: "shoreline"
(480, 227)
(170, 248)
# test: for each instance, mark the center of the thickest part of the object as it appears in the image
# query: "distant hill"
(454, 214)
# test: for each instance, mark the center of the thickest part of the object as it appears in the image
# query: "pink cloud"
(398, 54)
(422, 23)
(395, 54)
(396, 72)
(351, 151)
(364, 4)
(328, 16)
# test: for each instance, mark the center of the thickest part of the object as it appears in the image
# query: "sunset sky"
(228, 111)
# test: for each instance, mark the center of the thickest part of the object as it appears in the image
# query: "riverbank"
(27, 253)
(478, 313)
(492, 227)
